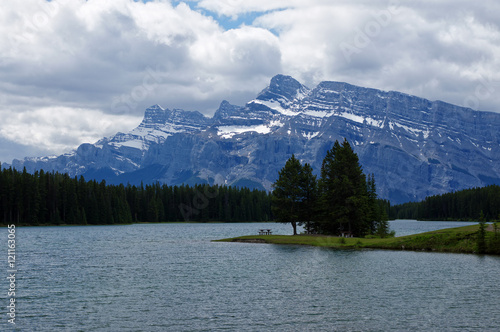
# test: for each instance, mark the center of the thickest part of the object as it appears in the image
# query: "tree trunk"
(294, 225)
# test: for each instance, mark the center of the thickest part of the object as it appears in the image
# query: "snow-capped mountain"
(415, 147)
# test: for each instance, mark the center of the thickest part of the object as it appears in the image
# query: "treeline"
(461, 205)
(46, 198)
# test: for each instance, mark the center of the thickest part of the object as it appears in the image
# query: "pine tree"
(374, 210)
(287, 196)
(481, 234)
(344, 200)
(309, 187)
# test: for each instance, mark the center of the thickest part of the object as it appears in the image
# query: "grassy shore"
(458, 240)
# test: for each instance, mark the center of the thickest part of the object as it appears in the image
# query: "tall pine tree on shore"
(309, 187)
(294, 194)
(344, 198)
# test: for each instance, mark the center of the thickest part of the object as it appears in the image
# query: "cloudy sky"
(73, 71)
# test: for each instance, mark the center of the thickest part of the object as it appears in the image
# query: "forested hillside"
(461, 205)
(53, 198)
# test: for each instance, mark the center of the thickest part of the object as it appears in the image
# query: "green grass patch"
(459, 240)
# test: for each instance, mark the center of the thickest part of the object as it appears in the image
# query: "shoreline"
(450, 240)
(175, 222)
(137, 223)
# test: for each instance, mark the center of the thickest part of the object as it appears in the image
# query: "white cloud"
(119, 57)
(60, 129)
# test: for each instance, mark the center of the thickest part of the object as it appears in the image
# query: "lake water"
(171, 277)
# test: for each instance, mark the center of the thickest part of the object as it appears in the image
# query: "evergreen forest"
(461, 205)
(45, 198)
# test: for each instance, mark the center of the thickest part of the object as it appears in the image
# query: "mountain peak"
(282, 87)
(155, 107)
(154, 115)
(225, 110)
(280, 80)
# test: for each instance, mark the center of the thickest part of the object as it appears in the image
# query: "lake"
(171, 277)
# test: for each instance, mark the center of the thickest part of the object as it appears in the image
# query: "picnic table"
(265, 232)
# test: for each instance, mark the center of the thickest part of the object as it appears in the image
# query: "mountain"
(413, 146)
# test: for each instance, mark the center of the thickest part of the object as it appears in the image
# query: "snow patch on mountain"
(310, 135)
(275, 105)
(229, 131)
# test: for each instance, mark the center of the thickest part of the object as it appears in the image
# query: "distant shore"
(455, 240)
(136, 223)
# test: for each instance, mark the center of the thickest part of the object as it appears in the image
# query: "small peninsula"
(457, 240)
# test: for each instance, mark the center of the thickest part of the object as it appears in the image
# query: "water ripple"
(172, 278)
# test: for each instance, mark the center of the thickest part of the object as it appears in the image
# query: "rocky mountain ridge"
(414, 147)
